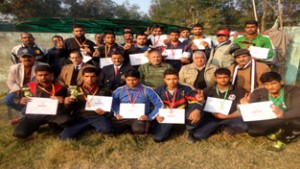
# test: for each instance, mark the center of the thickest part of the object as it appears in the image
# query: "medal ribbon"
(107, 50)
(156, 41)
(225, 96)
(172, 49)
(129, 97)
(85, 97)
(52, 93)
(80, 45)
(173, 98)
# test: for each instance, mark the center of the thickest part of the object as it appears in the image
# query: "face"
(43, 77)
(185, 34)
(141, 40)
(197, 31)
(55, 40)
(171, 80)
(156, 32)
(242, 60)
(76, 58)
(78, 32)
(117, 59)
(89, 79)
(155, 58)
(27, 39)
(109, 38)
(199, 60)
(251, 29)
(174, 37)
(222, 38)
(128, 38)
(99, 38)
(222, 79)
(132, 82)
(273, 87)
(27, 60)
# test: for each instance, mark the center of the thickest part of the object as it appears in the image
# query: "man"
(78, 43)
(246, 72)
(84, 118)
(154, 35)
(152, 72)
(286, 106)
(71, 74)
(112, 76)
(43, 87)
(184, 35)
(128, 39)
(134, 92)
(56, 61)
(198, 74)
(212, 121)
(99, 39)
(252, 38)
(173, 45)
(27, 40)
(221, 54)
(197, 31)
(176, 96)
(19, 76)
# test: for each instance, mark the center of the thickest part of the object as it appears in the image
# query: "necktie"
(116, 70)
(76, 68)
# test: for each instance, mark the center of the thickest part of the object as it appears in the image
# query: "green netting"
(91, 25)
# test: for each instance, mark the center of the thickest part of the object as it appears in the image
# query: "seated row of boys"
(73, 117)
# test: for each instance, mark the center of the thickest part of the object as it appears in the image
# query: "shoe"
(190, 138)
(277, 146)
(274, 136)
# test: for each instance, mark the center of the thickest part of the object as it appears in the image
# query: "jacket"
(220, 55)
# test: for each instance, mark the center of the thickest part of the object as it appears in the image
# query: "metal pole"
(254, 11)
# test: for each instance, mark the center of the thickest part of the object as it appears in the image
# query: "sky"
(144, 4)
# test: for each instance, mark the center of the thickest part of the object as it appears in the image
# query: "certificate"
(138, 59)
(42, 106)
(132, 111)
(174, 54)
(259, 52)
(85, 56)
(158, 40)
(105, 62)
(216, 105)
(257, 111)
(198, 43)
(172, 116)
(102, 102)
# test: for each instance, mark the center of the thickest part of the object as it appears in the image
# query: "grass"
(93, 150)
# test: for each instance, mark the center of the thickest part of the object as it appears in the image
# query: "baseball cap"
(223, 32)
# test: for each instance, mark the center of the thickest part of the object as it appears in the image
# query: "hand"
(195, 116)
(59, 44)
(194, 47)
(127, 46)
(245, 99)
(185, 60)
(166, 41)
(96, 53)
(118, 117)
(99, 111)
(144, 118)
(59, 98)
(205, 44)
(277, 111)
(88, 50)
(24, 100)
(220, 116)
(236, 34)
(199, 96)
(69, 100)
(159, 118)
(148, 31)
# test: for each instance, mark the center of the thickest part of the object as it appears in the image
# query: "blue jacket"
(147, 96)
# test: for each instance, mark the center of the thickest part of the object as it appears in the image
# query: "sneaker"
(274, 136)
(277, 146)
(190, 139)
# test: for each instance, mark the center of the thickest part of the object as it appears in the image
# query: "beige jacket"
(16, 75)
(188, 74)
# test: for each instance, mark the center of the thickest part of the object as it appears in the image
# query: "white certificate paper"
(216, 105)
(138, 59)
(174, 54)
(158, 40)
(259, 52)
(172, 116)
(42, 106)
(102, 102)
(86, 57)
(198, 43)
(257, 111)
(105, 62)
(132, 111)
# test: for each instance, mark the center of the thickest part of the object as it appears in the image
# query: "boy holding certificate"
(286, 106)
(221, 107)
(176, 97)
(132, 105)
(41, 89)
(87, 108)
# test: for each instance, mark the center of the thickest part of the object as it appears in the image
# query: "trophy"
(27, 92)
(73, 91)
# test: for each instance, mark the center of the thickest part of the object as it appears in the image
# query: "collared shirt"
(78, 66)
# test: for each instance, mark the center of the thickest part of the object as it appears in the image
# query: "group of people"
(180, 73)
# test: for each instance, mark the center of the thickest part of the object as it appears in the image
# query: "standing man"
(27, 40)
(56, 61)
(246, 72)
(99, 39)
(177, 96)
(134, 92)
(184, 35)
(252, 38)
